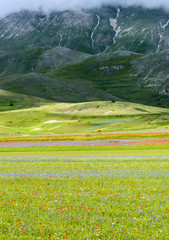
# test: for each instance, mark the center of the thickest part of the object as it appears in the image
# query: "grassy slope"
(41, 59)
(23, 61)
(101, 71)
(84, 118)
(106, 108)
(11, 101)
(60, 57)
(54, 89)
(107, 76)
(26, 70)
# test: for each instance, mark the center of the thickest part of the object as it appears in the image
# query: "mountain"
(104, 54)
(91, 31)
(75, 30)
(127, 75)
(54, 89)
(26, 72)
(28, 60)
(141, 30)
(153, 71)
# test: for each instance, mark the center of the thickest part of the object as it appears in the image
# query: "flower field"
(113, 142)
(97, 198)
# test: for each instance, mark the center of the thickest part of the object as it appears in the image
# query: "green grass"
(12, 101)
(95, 199)
(142, 150)
(82, 118)
(108, 153)
(83, 148)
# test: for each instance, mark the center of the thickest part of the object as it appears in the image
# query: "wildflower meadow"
(90, 198)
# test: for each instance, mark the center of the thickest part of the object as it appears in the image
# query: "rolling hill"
(105, 54)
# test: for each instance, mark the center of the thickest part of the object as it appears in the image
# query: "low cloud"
(8, 6)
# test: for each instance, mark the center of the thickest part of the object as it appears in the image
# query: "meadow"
(84, 198)
(60, 119)
(81, 171)
(82, 155)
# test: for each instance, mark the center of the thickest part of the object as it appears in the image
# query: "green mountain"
(104, 54)
(28, 60)
(54, 89)
(123, 74)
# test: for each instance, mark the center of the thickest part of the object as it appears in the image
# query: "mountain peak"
(91, 31)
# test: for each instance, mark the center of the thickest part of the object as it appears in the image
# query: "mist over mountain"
(90, 31)
(96, 53)
(10, 6)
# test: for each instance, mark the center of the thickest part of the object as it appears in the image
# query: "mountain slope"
(28, 60)
(141, 30)
(60, 57)
(39, 57)
(55, 89)
(117, 74)
(91, 31)
(70, 29)
(11, 101)
(153, 71)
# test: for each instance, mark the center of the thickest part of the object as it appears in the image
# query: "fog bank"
(9, 6)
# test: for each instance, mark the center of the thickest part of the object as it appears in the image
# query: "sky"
(9, 6)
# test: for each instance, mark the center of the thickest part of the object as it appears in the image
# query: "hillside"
(82, 118)
(55, 89)
(28, 60)
(118, 73)
(11, 101)
(25, 72)
(116, 54)
(65, 75)
(91, 31)
(153, 71)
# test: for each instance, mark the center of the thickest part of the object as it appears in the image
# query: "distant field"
(48, 198)
(142, 150)
(96, 118)
(90, 137)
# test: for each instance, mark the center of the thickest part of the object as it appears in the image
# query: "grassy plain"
(83, 151)
(91, 199)
(84, 192)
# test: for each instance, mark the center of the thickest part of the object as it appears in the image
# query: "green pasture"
(82, 118)
(93, 199)
(151, 150)
(11, 101)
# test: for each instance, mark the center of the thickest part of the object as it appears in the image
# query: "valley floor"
(93, 118)
(84, 177)
(84, 197)
(96, 189)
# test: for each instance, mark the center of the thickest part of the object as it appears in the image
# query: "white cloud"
(8, 6)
